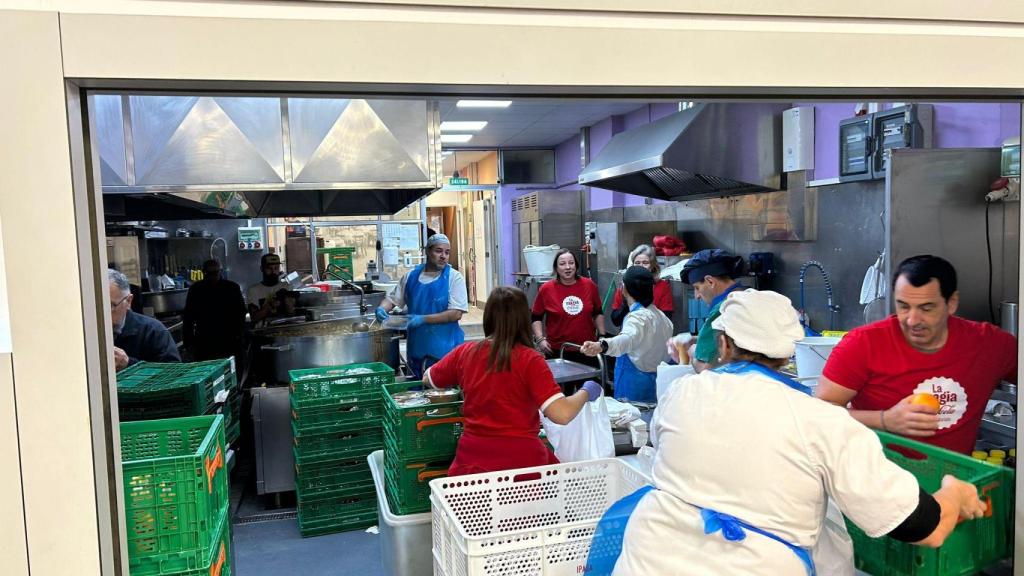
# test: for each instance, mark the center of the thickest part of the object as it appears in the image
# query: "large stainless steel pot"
(324, 343)
(164, 301)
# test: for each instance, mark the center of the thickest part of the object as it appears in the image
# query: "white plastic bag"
(586, 437)
(833, 554)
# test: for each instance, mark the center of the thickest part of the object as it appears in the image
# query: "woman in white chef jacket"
(746, 460)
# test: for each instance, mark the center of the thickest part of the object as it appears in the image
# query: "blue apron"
(630, 381)
(607, 543)
(429, 341)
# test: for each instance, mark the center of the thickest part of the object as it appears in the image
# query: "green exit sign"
(458, 181)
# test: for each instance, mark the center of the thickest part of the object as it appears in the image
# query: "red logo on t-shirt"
(952, 397)
(572, 305)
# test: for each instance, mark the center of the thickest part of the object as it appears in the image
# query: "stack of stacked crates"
(176, 497)
(336, 423)
(420, 437)
(972, 546)
(155, 390)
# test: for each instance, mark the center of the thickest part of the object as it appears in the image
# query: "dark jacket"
(145, 338)
(214, 319)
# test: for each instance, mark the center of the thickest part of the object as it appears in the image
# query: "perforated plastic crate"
(537, 521)
(338, 382)
(973, 545)
(338, 440)
(175, 486)
(344, 510)
(408, 481)
(219, 561)
(154, 390)
(340, 412)
(428, 431)
(324, 478)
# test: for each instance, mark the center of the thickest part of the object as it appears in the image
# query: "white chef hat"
(760, 321)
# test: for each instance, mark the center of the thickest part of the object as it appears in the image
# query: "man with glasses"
(136, 337)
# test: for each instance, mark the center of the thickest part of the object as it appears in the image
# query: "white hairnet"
(760, 321)
(438, 239)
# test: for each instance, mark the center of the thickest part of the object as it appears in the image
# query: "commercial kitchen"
(273, 388)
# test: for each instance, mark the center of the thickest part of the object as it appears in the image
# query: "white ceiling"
(542, 123)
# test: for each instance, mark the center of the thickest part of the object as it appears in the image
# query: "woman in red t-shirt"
(643, 255)
(504, 383)
(568, 308)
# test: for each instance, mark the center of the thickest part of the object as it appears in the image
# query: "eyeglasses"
(114, 306)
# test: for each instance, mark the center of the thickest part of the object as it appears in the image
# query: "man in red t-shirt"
(923, 348)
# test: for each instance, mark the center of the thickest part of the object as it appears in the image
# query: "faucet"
(334, 271)
(833, 309)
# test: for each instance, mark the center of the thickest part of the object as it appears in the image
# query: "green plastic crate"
(338, 382)
(354, 521)
(340, 413)
(369, 394)
(175, 564)
(325, 478)
(153, 390)
(218, 563)
(421, 432)
(408, 481)
(337, 440)
(340, 257)
(339, 510)
(973, 545)
(314, 457)
(175, 484)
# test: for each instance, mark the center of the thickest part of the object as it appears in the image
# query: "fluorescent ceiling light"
(455, 138)
(451, 126)
(484, 103)
(446, 153)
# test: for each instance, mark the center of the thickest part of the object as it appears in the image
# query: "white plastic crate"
(528, 522)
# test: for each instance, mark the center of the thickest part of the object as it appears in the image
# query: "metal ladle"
(360, 327)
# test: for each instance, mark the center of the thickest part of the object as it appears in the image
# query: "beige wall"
(757, 47)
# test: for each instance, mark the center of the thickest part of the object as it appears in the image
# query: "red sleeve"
(541, 299)
(617, 299)
(538, 377)
(846, 365)
(596, 298)
(663, 298)
(1010, 353)
(445, 374)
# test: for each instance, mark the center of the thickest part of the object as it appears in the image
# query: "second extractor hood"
(706, 151)
(258, 156)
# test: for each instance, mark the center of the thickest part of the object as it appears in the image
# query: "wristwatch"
(604, 346)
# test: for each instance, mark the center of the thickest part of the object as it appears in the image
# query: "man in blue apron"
(747, 461)
(435, 298)
(639, 346)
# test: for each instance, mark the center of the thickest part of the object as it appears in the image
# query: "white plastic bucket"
(811, 354)
(539, 259)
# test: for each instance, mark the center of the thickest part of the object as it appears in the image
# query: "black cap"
(639, 283)
(714, 262)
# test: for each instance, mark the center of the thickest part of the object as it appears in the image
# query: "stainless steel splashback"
(269, 156)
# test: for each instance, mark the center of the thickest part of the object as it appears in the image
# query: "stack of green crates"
(336, 423)
(419, 445)
(154, 390)
(340, 257)
(973, 546)
(176, 497)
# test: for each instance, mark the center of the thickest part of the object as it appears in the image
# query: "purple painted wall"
(567, 162)
(956, 125)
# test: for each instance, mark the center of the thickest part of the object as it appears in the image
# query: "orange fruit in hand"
(925, 399)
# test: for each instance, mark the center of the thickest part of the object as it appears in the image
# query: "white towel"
(873, 286)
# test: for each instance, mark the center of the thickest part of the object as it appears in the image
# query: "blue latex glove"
(593, 389)
(415, 321)
(381, 314)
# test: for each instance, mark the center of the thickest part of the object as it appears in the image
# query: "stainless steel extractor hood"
(705, 151)
(262, 156)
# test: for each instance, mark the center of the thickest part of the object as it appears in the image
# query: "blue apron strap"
(732, 529)
(742, 367)
(606, 545)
